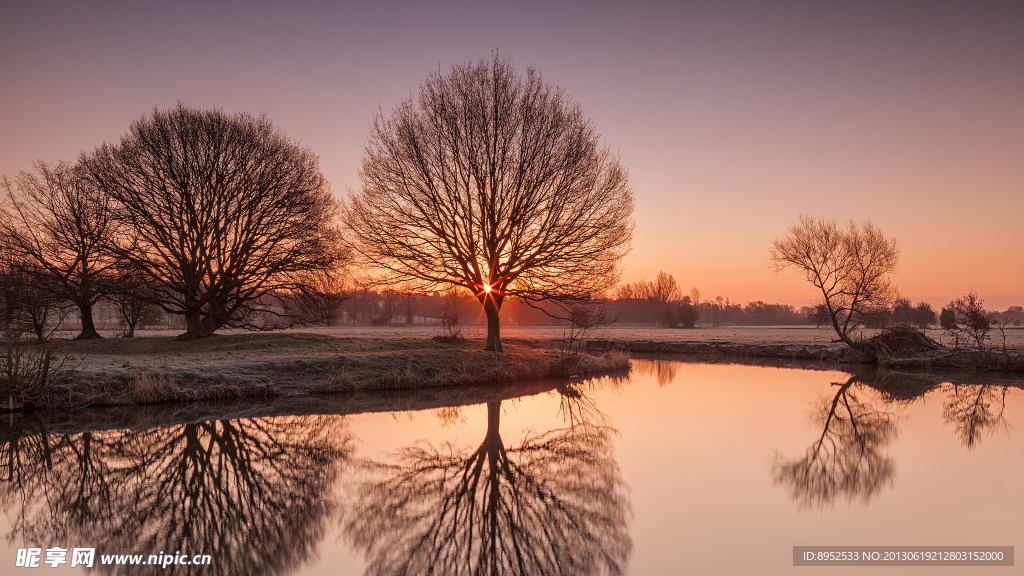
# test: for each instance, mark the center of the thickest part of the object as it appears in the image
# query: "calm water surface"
(679, 468)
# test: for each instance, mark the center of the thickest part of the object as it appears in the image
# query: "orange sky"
(732, 118)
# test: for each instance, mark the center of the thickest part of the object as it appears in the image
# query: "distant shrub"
(972, 323)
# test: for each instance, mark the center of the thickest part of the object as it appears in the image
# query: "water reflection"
(848, 459)
(664, 371)
(974, 409)
(554, 504)
(253, 493)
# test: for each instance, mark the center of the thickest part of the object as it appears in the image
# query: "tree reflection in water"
(253, 493)
(973, 409)
(555, 504)
(847, 460)
(664, 371)
(60, 486)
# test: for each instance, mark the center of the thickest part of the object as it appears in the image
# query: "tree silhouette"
(227, 216)
(849, 267)
(253, 493)
(555, 504)
(847, 460)
(494, 182)
(57, 220)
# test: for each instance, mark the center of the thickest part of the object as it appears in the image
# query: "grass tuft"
(149, 387)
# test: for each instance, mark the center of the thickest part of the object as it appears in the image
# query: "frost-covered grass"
(147, 370)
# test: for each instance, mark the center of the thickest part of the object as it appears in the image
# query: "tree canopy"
(494, 181)
(230, 219)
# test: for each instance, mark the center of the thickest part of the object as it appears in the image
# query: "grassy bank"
(989, 360)
(160, 369)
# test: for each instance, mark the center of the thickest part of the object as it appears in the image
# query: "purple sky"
(732, 119)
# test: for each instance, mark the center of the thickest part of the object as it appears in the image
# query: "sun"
(487, 288)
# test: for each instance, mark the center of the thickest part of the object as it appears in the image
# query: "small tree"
(56, 220)
(452, 314)
(683, 313)
(390, 302)
(495, 182)
(410, 307)
(585, 318)
(972, 322)
(922, 315)
(849, 267)
(30, 302)
(133, 301)
(947, 319)
(1003, 320)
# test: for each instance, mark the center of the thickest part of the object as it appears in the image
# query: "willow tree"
(493, 181)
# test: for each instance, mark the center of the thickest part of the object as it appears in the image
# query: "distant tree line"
(662, 302)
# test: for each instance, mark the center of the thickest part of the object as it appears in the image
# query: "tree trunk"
(194, 326)
(88, 327)
(491, 307)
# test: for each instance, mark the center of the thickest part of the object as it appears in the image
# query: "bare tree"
(492, 181)
(228, 212)
(133, 300)
(585, 318)
(1003, 320)
(849, 266)
(29, 301)
(390, 301)
(971, 322)
(451, 316)
(410, 307)
(55, 219)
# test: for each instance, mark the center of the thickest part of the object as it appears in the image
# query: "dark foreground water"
(681, 468)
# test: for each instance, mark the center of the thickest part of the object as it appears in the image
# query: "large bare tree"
(56, 220)
(849, 266)
(228, 214)
(496, 182)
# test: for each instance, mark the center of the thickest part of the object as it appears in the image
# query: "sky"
(733, 118)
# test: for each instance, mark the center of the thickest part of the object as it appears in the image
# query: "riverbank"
(990, 360)
(160, 369)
